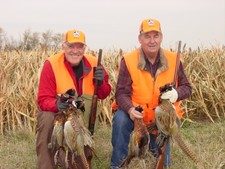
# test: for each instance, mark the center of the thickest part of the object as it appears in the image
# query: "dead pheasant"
(169, 124)
(139, 141)
(77, 137)
(71, 134)
(57, 135)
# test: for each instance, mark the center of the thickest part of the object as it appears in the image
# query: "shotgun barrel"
(177, 64)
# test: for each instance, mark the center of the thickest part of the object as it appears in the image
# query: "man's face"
(74, 52)
(150, 42)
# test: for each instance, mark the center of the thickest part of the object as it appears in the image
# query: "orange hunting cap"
(74, 36)
(150, 24)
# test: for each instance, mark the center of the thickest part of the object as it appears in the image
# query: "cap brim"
(149, 30)
(71, 42)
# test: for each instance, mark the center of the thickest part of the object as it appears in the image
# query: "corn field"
(20, 71)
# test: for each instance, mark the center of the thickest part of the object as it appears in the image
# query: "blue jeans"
(121, 129)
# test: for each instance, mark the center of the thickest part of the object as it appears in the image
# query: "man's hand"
(171, 95)
(62, 106)
(134, 114)
(65, 99)
(99, 74)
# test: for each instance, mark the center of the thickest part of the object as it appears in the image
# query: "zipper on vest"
(153, 92)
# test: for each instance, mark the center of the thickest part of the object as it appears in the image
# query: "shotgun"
(164, 88)
(94, 99)
(177, 64)
(162, 155)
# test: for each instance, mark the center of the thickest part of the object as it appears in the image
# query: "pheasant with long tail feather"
(168, 125)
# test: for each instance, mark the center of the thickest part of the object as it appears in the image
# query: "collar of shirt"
(145, 65)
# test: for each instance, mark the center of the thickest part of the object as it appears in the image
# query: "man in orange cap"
(70, 69)
(142, 72)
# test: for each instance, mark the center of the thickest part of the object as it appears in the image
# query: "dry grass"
(17, 149)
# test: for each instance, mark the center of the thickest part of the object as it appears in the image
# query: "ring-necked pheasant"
(77, 137)
(139, 141)
(71, 133)
(57, 138)
(168, 124)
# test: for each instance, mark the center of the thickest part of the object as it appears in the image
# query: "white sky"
(115, 23)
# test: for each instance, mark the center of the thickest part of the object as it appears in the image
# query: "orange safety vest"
(63, 78)
(145, 88)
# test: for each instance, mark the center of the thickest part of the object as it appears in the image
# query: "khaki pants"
(45, 156)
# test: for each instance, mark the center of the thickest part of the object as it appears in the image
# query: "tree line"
(30, 40)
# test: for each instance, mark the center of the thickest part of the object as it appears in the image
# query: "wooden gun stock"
(94, 103)
(162, 155)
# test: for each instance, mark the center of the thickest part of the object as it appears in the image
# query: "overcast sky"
(115, 23)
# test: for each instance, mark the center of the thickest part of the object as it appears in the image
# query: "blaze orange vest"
(63, 78)
(145, 88)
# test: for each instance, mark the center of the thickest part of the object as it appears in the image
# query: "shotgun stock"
(162, 155)
(94, 103)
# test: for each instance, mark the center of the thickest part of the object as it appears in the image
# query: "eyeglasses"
(78, 46)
